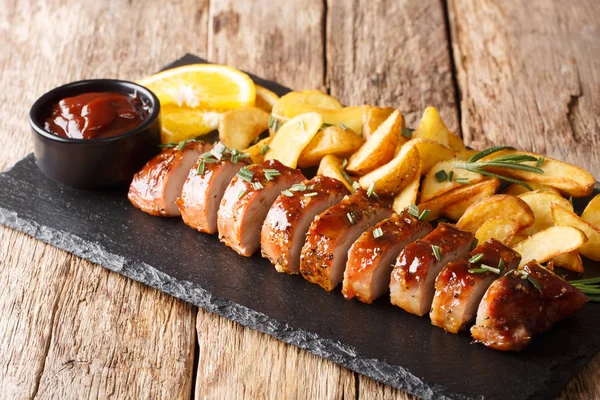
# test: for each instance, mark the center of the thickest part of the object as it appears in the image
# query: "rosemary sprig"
(436, 252)
(413, 210)
(589, 287)
(407, 132)
(264, 149)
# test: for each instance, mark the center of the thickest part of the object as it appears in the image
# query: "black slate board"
(378, 340)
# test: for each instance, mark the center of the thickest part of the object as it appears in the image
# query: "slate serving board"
(377, 340)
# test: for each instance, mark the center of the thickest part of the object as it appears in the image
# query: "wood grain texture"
(393, 53)
(528, 75)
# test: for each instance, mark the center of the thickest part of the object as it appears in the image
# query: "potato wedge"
(331, 166)
(330, 140)
(549, 243)
(456, 143)
(239, 127)
(465, 154)
(565, 217)
(571, 261)
(517, 239)
(373, 117)
(569, 179)
(502, 229)
(437, 204)
(432, 127)
(265, 99)
(347, 117)
(392, 177)
(592, 211)
(314, 98)
(456, 210)
(257, 152)
(516, 189)
(408, 195)
(430, 153)
(379, 149)
(499, 205)
(433, 187)
(540, 205)
(293, 137)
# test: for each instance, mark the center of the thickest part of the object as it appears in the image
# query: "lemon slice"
(182, 123)
(204, 86)
(265, 99)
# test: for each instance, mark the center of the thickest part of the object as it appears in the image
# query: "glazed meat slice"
(417, 266)
(203, 190)
(284, 231)
(156, 187)
(247, 200)
(524, 303)
(371, 258)
(458, 292)
(331, 234)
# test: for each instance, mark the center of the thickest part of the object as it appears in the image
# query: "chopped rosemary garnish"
(178, 145)
(325, 125)
(370, 191)
(301, 123)
(436, 252)
(287, 193)
(245, 174)
(274, 123)
(413, 210)
(311, 187)
(451, 176)
(350, 218)
(540, 162)
(474, 244)
(476, 258)
(200, 169)
(257, 186)
(407, 132)
(355, 185)
(344, 127)
(483, 269)
(441, 175)
(571, 199)
(298, 187)
(218, 150)
(344, 162)
(526, 275)
(462, 181)
(377, 233)
(423, 216)
(264, 149)
(241, 193)
(270, 174)
(310, 194)
(501, 265)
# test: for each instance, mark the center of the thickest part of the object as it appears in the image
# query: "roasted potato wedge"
(569, 179)
(502, 229)
(571, 261)
(314, 98)
(348, 117)
(592, 211)
(434, 187)
(373, 117)
(332, 167)
(517, 239)
(257, 152)
(408, 195)
(456, 210)
(430, 152)
(293, 137)
(265, 99)
(330, 140)
(549, 243)
(565, 217)
(540, 203)
(437, 204)
(379, 149)
(392, 177)
(456, 143)
(239, 127)
(432, 127)
(499, 205)
(516, 189)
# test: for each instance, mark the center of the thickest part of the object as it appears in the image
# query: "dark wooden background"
(525, 73)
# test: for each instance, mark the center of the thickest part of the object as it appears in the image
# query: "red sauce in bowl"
(96, 115)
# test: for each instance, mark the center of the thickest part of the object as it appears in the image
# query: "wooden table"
(501, 72)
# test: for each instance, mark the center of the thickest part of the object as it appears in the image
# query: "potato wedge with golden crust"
(502, 229)
(464, 154)
(565, 217)
(379, 149)
(516, 189)
(392, 177)
(332, 167)
(257, 151)
(433, 186)
(567, 178)
(499, 205)
(239, 127)
(571, 261)
(456, 143)
(330, 140)
(540, 203)
(347, 117)
(456, 210)
(437, 204)
(373, 117)
(315, 98)
(549, 243)
(430, 152)
(408, 195)
(517, 239)
(293, 137)
(432, 127)
(592, 211)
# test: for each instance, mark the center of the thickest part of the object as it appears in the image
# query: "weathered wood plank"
(393, 53)
(528, 75)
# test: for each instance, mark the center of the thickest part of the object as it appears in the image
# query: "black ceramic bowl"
(95, 163)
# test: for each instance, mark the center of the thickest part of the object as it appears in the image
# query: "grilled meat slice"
(371, 258)
(202, 192)
(413, 277)
(331, 234)
(458, 292)
(156, 187)
(513, 309)
(284, 231)
(247, 200)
